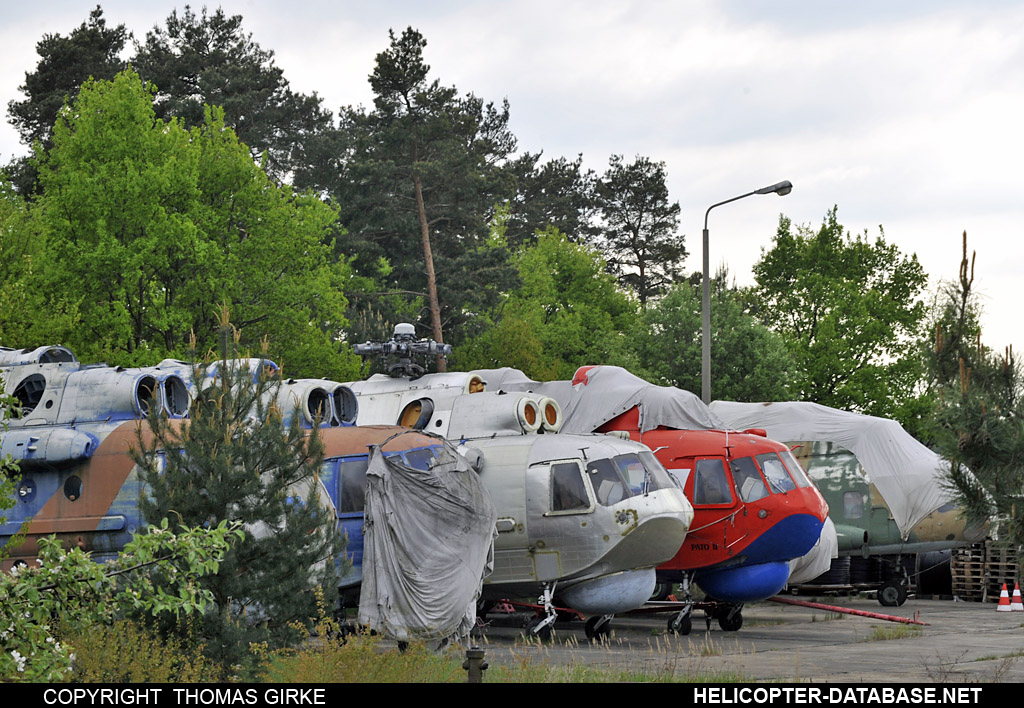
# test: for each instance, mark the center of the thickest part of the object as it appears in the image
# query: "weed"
(944, 670)
(707, 647)
(127, 652)
(899, 631)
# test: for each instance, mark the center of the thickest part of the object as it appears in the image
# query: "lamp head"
(780, 188)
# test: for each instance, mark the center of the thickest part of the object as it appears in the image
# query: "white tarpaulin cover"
(818, 559)
(427, 545)
(605, 392)
(906, 473)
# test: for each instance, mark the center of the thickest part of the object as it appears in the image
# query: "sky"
(906, 116)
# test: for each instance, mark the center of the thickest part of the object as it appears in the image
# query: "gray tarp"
(427, 546)
(906, 473)
(609, 391)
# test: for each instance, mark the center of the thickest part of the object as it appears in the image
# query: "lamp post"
(782, 189)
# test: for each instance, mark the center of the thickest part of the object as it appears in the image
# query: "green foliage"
(198, 61)
(149, 227)
(748, 361)
(130, 652)
(848, 307)
(556, 194)
(639, 226)
(22, 256)
(65, 63)
(568, 313)
(234, 459)
(979, 413)
(68, 592)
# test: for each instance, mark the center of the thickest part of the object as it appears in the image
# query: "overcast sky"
(907, 114)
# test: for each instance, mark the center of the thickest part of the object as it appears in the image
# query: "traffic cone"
(1004, 600)
(1016, 605)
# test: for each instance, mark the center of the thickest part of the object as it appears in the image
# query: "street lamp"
(782, 189)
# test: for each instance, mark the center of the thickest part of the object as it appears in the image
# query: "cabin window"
(748, 480)
(795, 469)
(605, 480)
(710, 485)
(853, 505)
(775, 472)
(352, 484)
(568, 490)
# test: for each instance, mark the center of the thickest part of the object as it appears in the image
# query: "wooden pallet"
(979, 571)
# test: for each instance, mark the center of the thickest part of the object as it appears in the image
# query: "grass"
(899, 631)
(368, 659)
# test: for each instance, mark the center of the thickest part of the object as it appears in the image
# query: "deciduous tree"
(568, 313)
(849, 307)
(750, 362)
(151, 226)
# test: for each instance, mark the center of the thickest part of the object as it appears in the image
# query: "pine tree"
(233, 459)
(979, 411)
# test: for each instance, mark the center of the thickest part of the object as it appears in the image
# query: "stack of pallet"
(1000, 567)
(979, 571)
(968, 568)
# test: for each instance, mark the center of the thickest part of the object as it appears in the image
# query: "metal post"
(780, 188)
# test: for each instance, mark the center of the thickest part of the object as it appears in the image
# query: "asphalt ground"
(962, 642)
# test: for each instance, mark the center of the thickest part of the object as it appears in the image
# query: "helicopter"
(583, 519)
(754, 508)
(885, 490)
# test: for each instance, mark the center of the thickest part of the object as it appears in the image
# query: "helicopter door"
(711, 485)
(557, 495)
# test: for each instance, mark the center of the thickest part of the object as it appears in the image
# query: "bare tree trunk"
(435, 307)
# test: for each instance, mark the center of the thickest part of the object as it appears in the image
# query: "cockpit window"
(422, 459)
(605, 480)
(775, 472)
(710, 485)
(633, 472)
(795, 469)
(568, 490)
(657, 477)
(748, 480)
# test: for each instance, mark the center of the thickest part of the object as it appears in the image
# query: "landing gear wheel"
(597, 631)
(731, 623)
(661, 592)
(680, 626)
(543, 634)
(892, 593)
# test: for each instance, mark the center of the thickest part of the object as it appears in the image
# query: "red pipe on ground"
(847, 611)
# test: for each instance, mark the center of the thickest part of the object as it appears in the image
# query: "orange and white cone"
(1004, 600)
(1016, 605)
